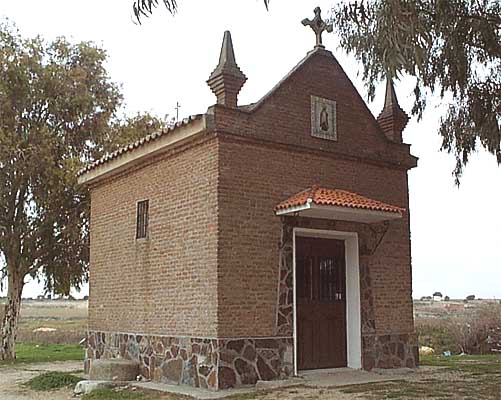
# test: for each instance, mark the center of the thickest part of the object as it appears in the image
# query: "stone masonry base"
(225, 363)
(206, 363)
(389, 351)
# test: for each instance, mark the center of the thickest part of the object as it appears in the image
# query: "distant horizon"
(451, 299)
(34, 289)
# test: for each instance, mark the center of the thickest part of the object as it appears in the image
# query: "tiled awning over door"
(319, 202)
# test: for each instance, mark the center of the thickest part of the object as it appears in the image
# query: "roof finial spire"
(392, 119)
(227, 56)
(227, 79)
(318, 25)
(390, 99)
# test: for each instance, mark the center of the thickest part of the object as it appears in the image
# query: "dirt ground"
(13, 376)
(427, 382)
(461, 378)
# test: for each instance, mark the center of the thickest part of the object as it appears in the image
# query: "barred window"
(142, 219)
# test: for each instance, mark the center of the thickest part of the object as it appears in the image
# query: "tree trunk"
(11, 315)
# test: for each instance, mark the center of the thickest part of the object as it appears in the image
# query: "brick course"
(250, 233)
(166, 284)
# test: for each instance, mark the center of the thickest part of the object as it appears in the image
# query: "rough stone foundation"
(206, 363)
(389, 351)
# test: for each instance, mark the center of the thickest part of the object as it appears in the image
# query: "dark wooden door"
(321, 303)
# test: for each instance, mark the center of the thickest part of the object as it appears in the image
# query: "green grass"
(243, 396)
(474, 377)
(36, 353)
(110, 394)
(476, 364)
(439, 361)
(127, 394)
(53, 381)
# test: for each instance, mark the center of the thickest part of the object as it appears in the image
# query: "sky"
(455, 239)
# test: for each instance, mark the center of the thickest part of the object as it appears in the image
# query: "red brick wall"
(167, 283)
(250, 186)
(268, 155)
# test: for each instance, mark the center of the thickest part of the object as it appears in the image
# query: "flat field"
(52, 321)
(65, 321)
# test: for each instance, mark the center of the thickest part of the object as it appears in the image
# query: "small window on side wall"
(142, 219)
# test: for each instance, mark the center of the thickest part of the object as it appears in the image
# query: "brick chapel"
(254, 242)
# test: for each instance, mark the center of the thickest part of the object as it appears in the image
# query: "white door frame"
(353, 322)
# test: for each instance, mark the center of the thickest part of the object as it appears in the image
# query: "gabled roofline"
(249, 108)
(153, 144)
(317, 50)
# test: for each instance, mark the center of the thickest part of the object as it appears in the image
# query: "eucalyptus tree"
(144, 8)
(451, 47)
(58, 110)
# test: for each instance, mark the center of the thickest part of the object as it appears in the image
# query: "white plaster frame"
(353, 319)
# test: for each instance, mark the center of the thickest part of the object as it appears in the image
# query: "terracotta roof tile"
(137, 144)
(335, 197)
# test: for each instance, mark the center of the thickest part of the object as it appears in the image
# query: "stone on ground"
(120, 370)
(84, 387)
(426, 351)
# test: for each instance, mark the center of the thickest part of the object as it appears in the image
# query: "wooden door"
(321, 303)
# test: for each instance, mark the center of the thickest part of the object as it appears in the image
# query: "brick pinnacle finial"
(227, 79)
(392, 119)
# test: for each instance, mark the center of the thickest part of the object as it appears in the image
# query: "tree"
(57, 111)
(144, 8)
(127, 129)
(452, 47)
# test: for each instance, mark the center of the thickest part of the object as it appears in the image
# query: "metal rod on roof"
(178, 106)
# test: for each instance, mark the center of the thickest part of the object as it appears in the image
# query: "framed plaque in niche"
(323, 118)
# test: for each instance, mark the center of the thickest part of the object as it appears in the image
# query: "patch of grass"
(473, 377)
(111, 394)
(128, 394)
(36, 353)
(426, 389)
(247, 396)
(52, 381)
(435, 360)
(476, 364)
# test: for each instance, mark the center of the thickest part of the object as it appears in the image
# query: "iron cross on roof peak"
(318, 25)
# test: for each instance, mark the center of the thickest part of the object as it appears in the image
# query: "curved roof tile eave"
(336, 197)
(137, 144)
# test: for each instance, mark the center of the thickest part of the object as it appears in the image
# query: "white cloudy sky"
(455, 239)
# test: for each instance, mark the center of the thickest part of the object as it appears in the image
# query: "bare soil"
(428, 382)
(12, 378)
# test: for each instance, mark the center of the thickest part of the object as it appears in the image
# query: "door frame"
(353, 320)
